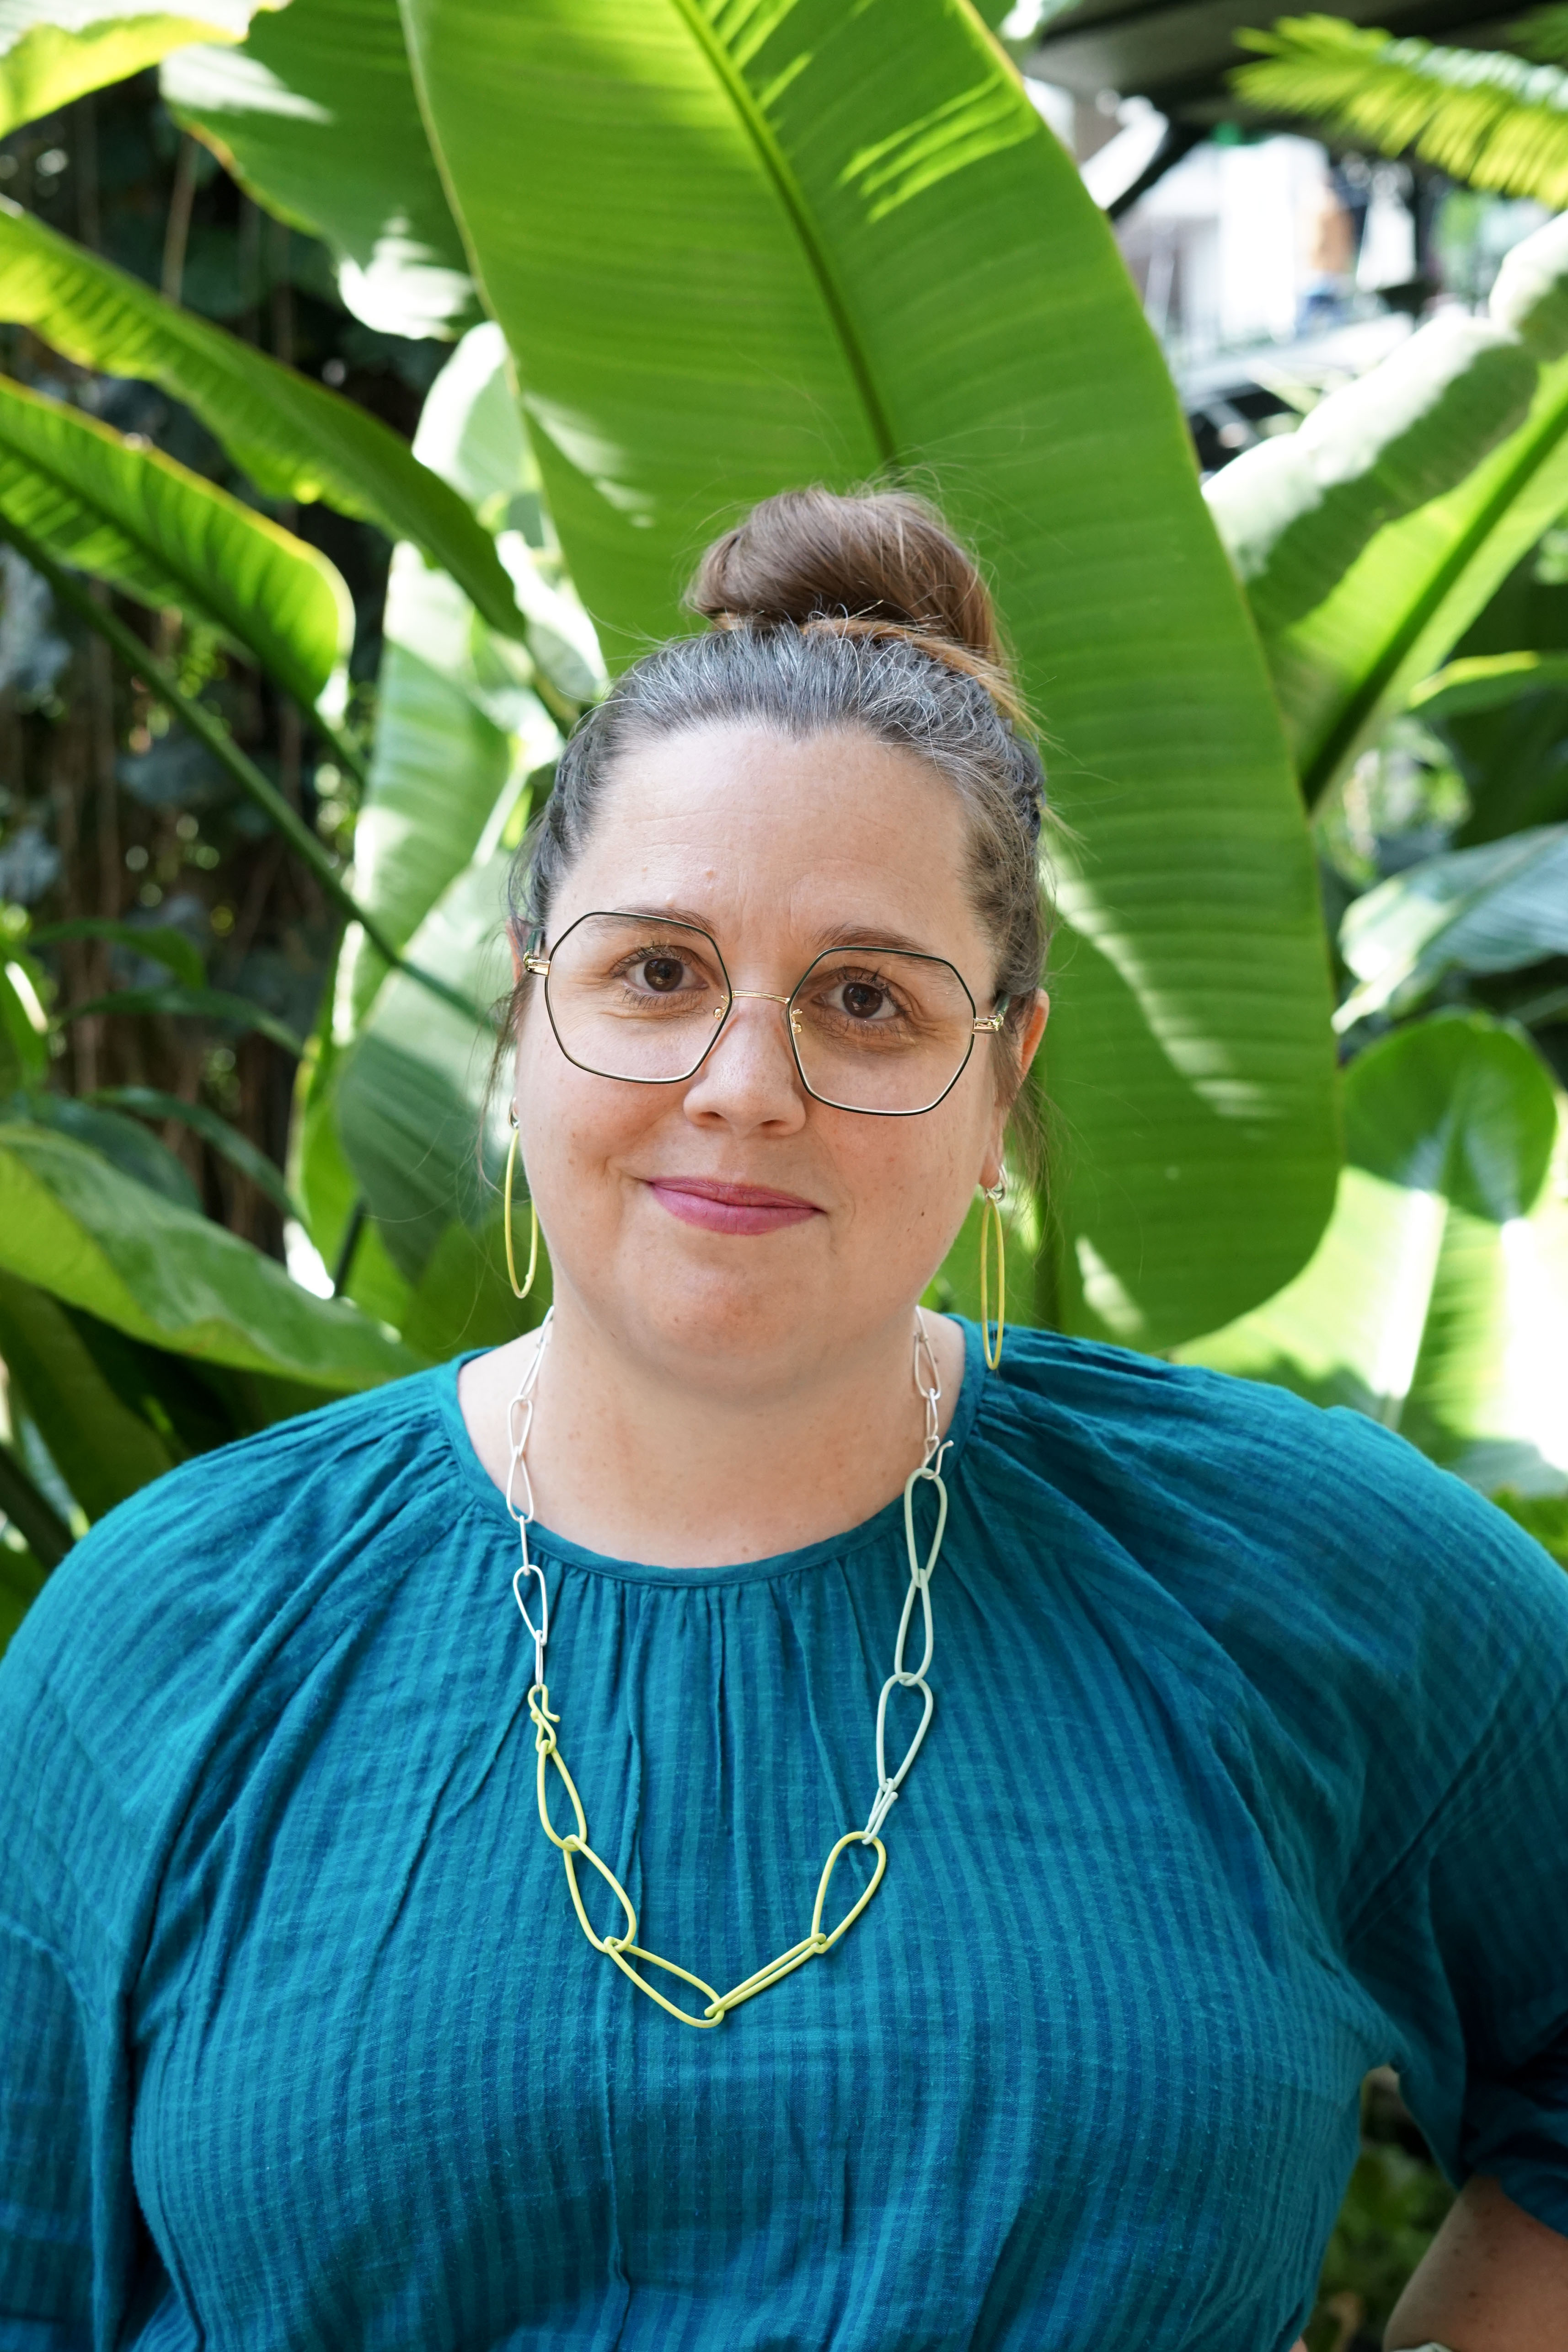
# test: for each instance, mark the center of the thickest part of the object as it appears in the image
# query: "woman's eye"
(662, 973)
(861, 1001)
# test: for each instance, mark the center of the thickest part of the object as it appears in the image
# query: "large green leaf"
(54, 50)
(1346, 667)
(455, 735)
(1438, 1300)
(1296, 510)
(294, 439)
(1356, 607)
(411, 1092)
(1495, 907)
(136, 518)
(100, 1447)
(739, 248)
(78, 1228)
(315, 116)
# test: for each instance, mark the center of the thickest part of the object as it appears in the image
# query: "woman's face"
(778, 849)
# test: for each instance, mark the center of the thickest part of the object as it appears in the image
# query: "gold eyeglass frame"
(537, 960)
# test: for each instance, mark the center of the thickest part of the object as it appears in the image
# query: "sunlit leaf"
(150, 526)
(735, 250)
(315, 116)
(52, 51)
(296, 439)
(78, 1228)
(454, 734)
(1490, 120)
(1297, 509)
(1438, 1300)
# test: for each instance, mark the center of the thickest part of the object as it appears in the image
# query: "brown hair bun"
(881, 564)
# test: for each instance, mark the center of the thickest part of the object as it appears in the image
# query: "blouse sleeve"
(1466, 1940)
(45, 2223)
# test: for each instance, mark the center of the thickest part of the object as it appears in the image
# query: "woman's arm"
(1495, 2280)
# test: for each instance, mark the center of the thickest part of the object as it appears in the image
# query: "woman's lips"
(729, 1208)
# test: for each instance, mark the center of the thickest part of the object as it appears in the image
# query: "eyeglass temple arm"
(991, 1024)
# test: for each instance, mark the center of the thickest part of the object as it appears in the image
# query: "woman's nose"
(751, 1079)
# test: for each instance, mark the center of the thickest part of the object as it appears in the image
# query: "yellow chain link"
(624, 1949)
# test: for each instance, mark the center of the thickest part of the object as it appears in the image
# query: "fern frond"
(1492, 121)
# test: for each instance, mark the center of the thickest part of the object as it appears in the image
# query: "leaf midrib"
(1318, 777)
(792, 196)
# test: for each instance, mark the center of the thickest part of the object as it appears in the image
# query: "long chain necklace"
(624, 1949)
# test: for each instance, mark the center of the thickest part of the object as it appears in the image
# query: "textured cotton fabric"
(1248, 1772)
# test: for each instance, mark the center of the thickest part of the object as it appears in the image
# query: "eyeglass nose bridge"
(766, 996)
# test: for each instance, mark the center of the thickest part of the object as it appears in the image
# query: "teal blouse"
(1249, 1772)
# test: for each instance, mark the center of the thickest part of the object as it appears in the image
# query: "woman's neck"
(628, 1460)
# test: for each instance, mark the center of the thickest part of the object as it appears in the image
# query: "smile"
(729, 1208)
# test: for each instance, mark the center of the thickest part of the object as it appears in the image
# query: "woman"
(1246, 1773)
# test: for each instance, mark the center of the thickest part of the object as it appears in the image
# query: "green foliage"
(44, 65)
(294, 439)
(1354, 619)
(315, 114)
(97, 1239)
(168, 537)
(1437, 1299)
(1296, 510)
(734, 253)
(1544, 1517)
(1491, 909)
(1490, 119)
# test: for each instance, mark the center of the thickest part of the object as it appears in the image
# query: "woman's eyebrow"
(868, 935)
(830, 934)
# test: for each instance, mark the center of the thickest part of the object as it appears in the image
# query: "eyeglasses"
(880, 1030)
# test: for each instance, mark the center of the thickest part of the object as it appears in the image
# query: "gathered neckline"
(488, 1497)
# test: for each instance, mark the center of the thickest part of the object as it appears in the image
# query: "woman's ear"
(1034, 1030)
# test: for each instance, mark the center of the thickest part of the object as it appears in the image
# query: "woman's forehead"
(817, 837)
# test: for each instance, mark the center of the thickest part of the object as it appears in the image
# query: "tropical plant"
(871, 196)
(1393, 520)
(1487, 118)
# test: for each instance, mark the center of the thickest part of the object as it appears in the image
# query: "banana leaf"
(1296, 510)
(1403, 605)
(1437, 1299)
(102, 1448)
(94, 1238)
(454, 734)
(735, 250)
(52, 51)
(1497, 908)
(296, 439)
(150, 527)
(411, 1109)
(315, 115)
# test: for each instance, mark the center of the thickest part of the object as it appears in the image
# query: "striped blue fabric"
(1248, 1772)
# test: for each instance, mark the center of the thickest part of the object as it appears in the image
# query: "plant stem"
(210, 731)
(31, 1513)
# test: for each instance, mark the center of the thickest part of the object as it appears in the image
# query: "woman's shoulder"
(1336, 1567)
(235, 1548)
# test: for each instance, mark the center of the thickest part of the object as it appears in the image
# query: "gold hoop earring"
(519, 1290)
(993, 1196)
